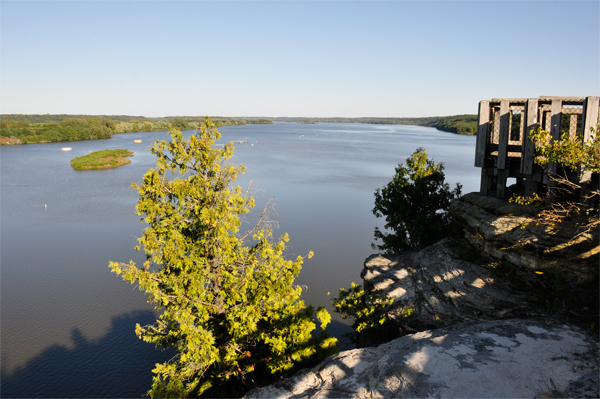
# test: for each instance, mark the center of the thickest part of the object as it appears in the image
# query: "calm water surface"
(68, 323)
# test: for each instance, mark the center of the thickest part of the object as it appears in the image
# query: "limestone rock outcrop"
(432, 288)
(495, 359)
(508, 232)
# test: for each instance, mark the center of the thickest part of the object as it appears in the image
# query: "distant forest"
(23, 129)
(460, 124)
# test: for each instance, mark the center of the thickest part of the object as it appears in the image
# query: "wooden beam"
(528, 150)
(590, 116)
(503, 139)
(555, 115)
(500, 183)
(482, 132)
(590, 120)
(555, 119)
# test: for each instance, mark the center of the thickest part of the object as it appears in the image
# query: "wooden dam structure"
(503, 147)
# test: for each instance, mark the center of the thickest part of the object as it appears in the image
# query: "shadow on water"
(118, 365)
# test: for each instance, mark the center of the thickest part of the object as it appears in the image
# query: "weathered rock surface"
(438, 289)
(496, 359)
(508, 232)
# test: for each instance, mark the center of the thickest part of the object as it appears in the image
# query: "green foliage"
(415, 205)
(372, 325)
(570, 152)
(51, 128)
(179, 124)
(67, 130)
(228, 303)
(104, 159)
(460, 124)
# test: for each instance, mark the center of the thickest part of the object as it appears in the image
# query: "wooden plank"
(555, 115)
(483, 124)
(555, 119)
(528, 150)
(500, 183)
(590, 116)
(484, 184)
(503, 139)
(590, 119)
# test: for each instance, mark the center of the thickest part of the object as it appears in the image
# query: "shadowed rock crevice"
(440, 289)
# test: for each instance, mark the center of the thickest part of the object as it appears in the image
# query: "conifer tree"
(228, 301)
(415, 205)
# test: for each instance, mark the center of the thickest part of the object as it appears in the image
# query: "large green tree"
(228, 301)
(415, 205)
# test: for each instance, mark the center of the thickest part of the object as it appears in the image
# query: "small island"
(104, 159)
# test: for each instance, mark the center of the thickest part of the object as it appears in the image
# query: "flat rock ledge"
(495, 359)
(508, 232)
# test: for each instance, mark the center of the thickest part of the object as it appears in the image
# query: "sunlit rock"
(496, 359)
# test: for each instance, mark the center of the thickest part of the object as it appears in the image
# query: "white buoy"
(66, 148)
(137, 141)
(45, 206)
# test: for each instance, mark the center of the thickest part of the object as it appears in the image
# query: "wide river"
(68, 323)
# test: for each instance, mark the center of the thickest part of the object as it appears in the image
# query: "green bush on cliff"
(372, 325)
(415, 205)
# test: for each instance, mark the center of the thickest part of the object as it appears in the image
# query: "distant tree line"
(460, 124)
(71, 129)
(23, 129)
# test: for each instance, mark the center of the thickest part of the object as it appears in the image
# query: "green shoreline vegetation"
(24, 129)
(459, 124)
(104, 159)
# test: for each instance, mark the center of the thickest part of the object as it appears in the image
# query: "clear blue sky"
(282, 58)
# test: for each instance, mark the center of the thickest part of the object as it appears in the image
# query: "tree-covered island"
(104, 159)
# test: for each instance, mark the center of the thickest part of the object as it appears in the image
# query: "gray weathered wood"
(590, 116)
(590, 119)
(503, 138)
(555, 115)
(482, 132)
(500, 183)
(531, 116)
(484, 185)
(555, 121)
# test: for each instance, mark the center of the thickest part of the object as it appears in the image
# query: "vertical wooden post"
(589, 121)
(501, 183)
(590, 116)
(503, 139)
(502, 148)
(528, 147)
(483, 124)
(484, 184)
(556, 113)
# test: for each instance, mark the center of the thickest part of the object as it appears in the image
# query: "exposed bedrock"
(437, 289)
(508, 232)
(495, 359)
